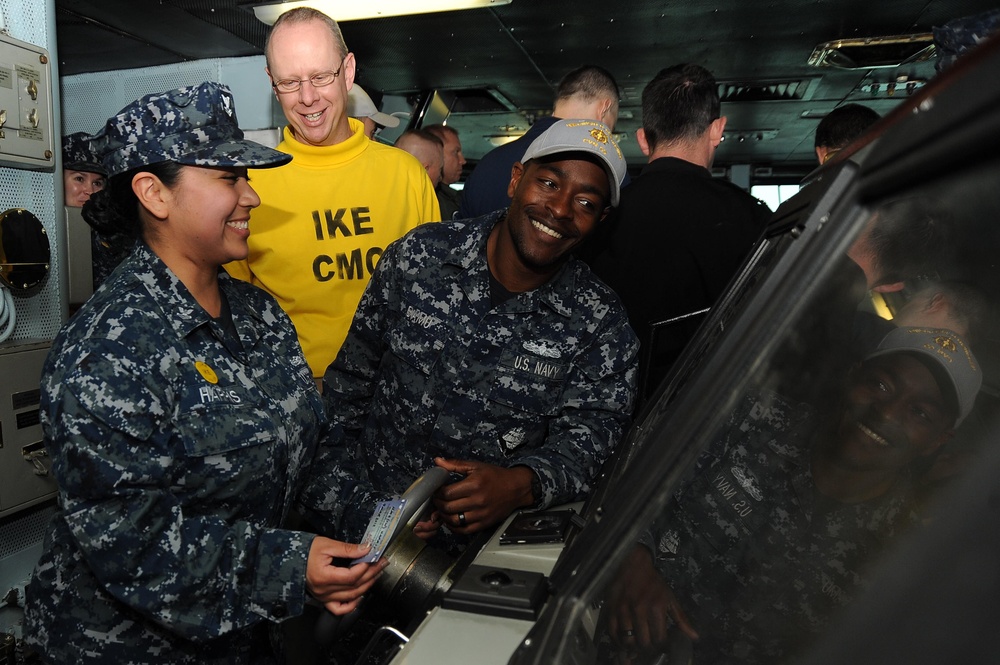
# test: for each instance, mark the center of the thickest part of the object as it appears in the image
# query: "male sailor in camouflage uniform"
(773, 530)
(483, 346)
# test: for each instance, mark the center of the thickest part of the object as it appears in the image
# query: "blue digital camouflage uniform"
(959, 36)
(178, 452)
(430, 369)
(758, 559)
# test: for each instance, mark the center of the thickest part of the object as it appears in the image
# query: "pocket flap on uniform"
(217, 419)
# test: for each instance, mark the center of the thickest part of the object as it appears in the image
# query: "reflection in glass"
(784, 510)
(835, 449)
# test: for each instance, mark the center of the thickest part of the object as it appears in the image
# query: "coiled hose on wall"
(7, 314)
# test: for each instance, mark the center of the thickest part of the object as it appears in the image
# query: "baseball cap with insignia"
(946, 355)
(588, 136)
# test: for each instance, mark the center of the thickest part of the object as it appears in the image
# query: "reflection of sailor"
(769, 536)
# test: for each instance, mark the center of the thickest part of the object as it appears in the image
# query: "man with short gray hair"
(428, 150)
(327, 216)
(454, 161)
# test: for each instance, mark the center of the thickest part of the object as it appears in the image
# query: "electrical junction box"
(26, 127)
(25, 468)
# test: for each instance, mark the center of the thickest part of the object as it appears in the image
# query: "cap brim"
(609, 170)
(236, 153)
(86, 167)
(939, 370)
(385, 119)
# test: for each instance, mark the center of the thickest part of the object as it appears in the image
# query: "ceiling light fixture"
(874, 52)
(502, 139)
(749, 135)
(353, 10)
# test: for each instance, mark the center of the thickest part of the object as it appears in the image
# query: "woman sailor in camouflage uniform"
(181, 419)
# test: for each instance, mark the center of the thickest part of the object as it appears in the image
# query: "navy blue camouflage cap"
(587, 136)
(81, 152)
(194, 125)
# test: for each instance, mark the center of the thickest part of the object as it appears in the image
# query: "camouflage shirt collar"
(179, 307)
(555, 293)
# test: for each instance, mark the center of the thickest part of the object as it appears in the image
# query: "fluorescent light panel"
(503, 140)
(353, 10)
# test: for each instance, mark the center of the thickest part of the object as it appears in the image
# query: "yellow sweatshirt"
(324, 220)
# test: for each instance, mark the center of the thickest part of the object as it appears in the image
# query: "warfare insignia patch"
(206, 372)
(513, 438)
(542, 348)
(747, 482)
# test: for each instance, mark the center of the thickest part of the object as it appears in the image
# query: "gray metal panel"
(40, 315)
(21, 539)
(23, 482)
(79, 262)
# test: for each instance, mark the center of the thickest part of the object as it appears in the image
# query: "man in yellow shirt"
(326, 217)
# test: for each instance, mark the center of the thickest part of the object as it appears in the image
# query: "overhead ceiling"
(758, 51)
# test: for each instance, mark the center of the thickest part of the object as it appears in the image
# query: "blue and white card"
(380, 529)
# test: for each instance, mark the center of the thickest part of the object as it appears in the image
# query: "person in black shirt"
(679, 234)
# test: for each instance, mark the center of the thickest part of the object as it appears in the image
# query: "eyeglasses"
(320, 80)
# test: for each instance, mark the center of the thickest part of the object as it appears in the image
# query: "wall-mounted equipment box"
(26, 130)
